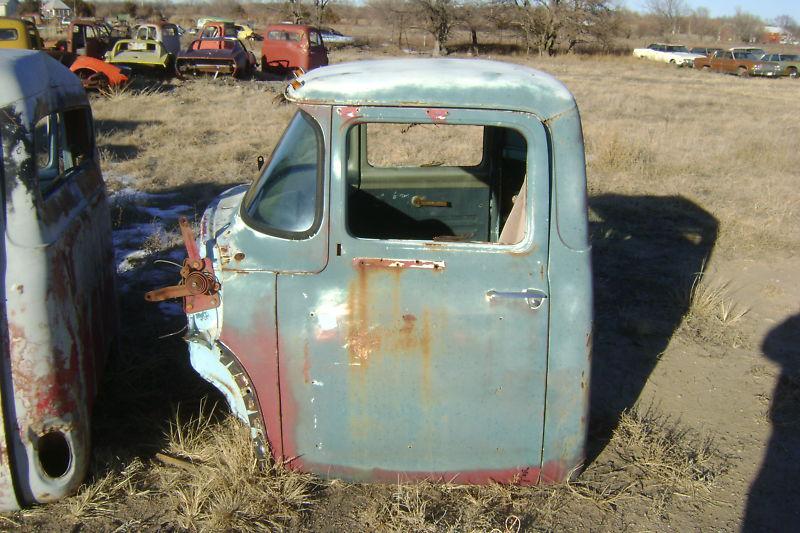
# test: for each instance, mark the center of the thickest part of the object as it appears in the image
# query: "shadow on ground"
(774, 498)
(647, 251)
(150, 376)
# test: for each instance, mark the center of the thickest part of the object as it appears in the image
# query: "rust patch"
(349, 112)
(552, 472)
(374, 262)
(437, 115)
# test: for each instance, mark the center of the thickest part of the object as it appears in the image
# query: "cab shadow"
(149, 380)
(647, 251)
(774, 496)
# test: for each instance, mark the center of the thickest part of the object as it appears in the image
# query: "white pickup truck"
(668, 53)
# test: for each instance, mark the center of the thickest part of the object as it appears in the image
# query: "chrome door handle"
(534, 298)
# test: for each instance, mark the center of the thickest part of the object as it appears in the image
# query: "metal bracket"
(198, 285)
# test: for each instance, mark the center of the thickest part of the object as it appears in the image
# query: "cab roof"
(10, 22)
(470, 83)
(27, 73)
(290, 27)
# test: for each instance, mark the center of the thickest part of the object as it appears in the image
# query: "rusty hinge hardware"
(198, 285)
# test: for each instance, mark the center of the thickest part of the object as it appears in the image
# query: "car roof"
(290, 27)
(446, 82)
(10, 22)
(26, 73)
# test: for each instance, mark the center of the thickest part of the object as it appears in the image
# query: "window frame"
(319, 204)
(63, 175)
(532, 227)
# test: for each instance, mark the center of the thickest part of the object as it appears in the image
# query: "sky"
(766, 9)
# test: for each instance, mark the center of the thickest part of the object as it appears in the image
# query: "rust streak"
(373, 262)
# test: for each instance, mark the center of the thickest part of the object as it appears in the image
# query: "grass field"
(693, 183)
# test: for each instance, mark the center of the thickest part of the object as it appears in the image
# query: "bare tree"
(397, 14)
(319, 11)
(548, 24)
(438, 18)
(473, 16)
(296, 11)
(670, 12)
(701, 23)
(748, 27)
(788, 24)
(587, 21)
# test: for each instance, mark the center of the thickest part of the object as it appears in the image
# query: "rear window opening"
(436, 182)
(8, 34)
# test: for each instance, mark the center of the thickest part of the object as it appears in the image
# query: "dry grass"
(207, 478)
(221, 486)
(652, 131)
(712, 312)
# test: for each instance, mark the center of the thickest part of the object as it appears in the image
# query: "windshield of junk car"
(676, 49)
(285, 198)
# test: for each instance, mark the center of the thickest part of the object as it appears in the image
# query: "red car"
(291, 46)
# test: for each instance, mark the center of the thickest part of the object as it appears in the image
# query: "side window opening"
(62, 144)
(436, 182)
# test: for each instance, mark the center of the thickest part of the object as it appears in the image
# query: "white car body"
(667, 53)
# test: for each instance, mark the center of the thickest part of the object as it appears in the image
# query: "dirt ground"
(695, 392)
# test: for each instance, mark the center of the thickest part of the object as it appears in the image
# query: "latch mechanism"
(198, 285)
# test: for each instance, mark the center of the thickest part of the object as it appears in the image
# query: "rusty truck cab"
(59, 309)
(405, 291)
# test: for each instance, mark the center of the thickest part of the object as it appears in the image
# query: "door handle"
(421, 201)
(534, 298)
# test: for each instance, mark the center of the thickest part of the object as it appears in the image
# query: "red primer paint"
(437, 115)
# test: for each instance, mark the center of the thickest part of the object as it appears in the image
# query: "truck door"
(60, 305)
(421, 349)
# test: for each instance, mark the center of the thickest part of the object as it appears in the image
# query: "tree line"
(541, 26)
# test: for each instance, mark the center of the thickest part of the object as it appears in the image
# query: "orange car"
(291, 46)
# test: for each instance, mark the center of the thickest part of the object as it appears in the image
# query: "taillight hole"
(55, 455)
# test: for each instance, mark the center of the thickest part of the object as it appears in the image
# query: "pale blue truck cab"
(405, 292)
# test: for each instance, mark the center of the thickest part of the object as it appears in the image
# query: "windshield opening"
(286, 200)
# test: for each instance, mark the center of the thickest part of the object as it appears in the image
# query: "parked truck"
(376, 319)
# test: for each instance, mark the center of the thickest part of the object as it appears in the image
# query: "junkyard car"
(668, 53)
(790, 63)
(739, 63)
(166, 33)
(87, 42)
(17, 33)
(226, 56)
(138, 54)
(154, 46)
(335, 38)
(756, 52)
(245, 31)
(59, 306)
(375, 317)
(290, 46)
(703, 51)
